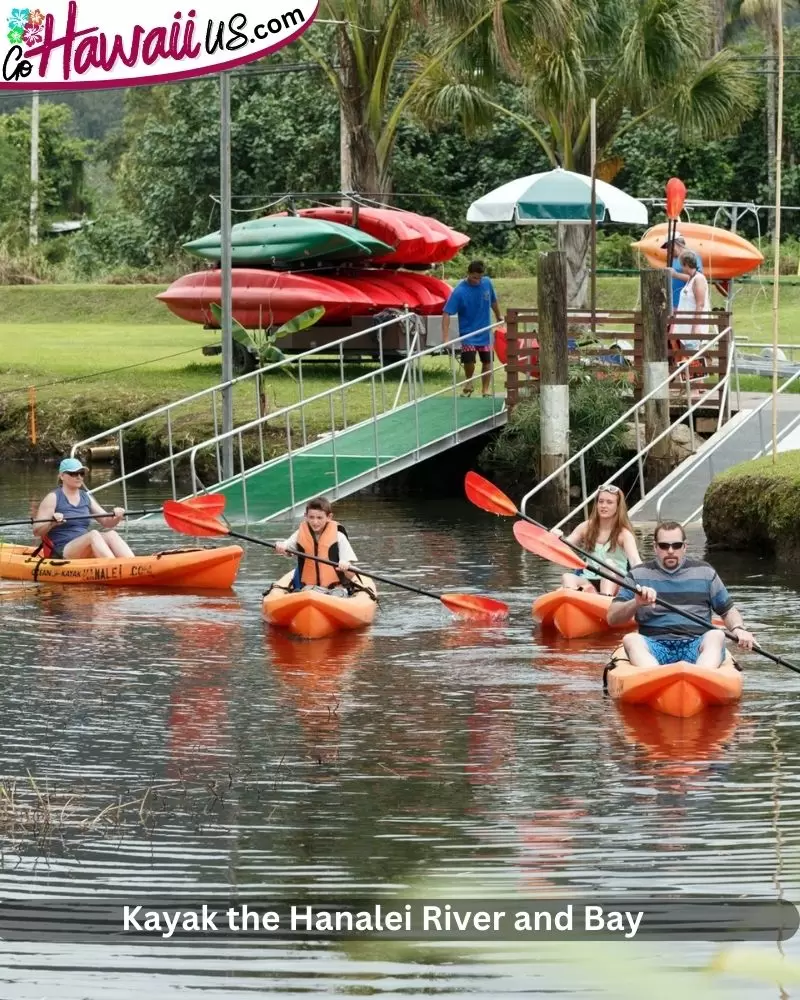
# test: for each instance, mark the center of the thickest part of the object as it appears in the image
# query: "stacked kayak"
(315, 614)
(681, 689)
(349, 262)
(265, 298)
(574, 613)
(289, 240)
(724, 254)
(194, 569)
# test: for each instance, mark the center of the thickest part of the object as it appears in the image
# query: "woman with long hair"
(67, 512)
(607, 534)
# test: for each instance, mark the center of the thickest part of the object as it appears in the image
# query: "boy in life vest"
(319, 535)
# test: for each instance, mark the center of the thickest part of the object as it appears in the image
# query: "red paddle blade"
(487, 496)
(188, 521)
(676, 195)
(545, 544)
(474, 606)
(207, 503)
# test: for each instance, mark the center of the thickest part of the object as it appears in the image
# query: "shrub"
(594, 404)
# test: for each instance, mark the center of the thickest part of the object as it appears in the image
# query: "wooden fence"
(614, 347)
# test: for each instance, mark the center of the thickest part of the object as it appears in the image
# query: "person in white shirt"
(319, 535)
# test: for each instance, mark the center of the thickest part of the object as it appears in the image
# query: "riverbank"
(754, 507)
(99, 355)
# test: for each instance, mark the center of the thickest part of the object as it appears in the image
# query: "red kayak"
(417, 239)
(269, 298)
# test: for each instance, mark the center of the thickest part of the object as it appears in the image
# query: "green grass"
(49, 333)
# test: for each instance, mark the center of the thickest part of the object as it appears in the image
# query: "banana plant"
(264, 343)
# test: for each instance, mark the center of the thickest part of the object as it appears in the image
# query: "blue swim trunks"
(668, 651)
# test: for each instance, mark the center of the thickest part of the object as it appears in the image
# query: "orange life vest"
(326, 546)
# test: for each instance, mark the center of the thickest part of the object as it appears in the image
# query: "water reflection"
(478, 753)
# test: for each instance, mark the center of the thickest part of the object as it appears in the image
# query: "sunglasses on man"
(666, 546)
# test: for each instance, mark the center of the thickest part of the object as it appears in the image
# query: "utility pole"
(33, 225)
(225, 265)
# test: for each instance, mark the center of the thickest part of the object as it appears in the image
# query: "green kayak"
(290, 240)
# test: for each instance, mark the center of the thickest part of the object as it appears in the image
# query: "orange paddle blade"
(208, 503)
(188, 521)
(474, 606)
(487, 496)
(545, 544)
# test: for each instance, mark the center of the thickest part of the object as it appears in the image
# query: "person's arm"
(496, 307)
(574, 537)
(624, 606)
(722, 604)
(734, 623)
(702, 286)
(346, 556)
(47, 513)
(630, 549)
(291, 542)
(445, 327)
(107, 522)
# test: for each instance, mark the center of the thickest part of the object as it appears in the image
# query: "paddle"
(543, 543)
(489, 498)
(190, 522)
(211, 503)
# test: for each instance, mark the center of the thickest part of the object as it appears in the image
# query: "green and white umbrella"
(556, 196)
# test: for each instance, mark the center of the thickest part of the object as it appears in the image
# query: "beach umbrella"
(556, 196)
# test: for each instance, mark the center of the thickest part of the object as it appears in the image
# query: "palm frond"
(715, 100)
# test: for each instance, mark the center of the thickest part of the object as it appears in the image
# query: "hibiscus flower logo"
(35, 18)
(26, 26)
(16, 24)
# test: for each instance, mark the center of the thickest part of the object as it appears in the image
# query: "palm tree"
(640, 60)
(375, 89)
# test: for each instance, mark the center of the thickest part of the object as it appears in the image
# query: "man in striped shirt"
(664, 636)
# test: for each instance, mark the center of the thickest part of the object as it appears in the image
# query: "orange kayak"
(681, 689)
(314, 614)
(194, 569)
(724, 254)
(575, 613)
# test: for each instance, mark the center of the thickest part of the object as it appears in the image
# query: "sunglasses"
(609, 488)
(666, 546)
(79, 473)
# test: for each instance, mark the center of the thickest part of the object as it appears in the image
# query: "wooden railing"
(613, 347)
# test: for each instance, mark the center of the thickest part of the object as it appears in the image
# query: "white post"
(33, 224)
(777, 233)
(225, 266)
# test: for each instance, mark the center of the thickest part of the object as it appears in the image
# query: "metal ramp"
(679, 497)
(416, 408)
(352, 459)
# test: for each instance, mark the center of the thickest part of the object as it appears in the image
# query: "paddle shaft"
(330, 562)
(623, 581)
(66, 520)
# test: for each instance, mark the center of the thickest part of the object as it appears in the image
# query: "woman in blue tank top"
(608, 534)
(67, 512)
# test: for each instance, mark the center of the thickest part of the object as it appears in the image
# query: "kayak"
(415, 239)
(314, 614)
(290, 241)
(268, 298)
(200, 569)
(724, 254)
(575, 613)
(682, 689)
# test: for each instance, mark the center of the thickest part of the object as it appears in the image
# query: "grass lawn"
(131, 355)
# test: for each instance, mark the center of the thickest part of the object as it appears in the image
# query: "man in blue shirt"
(665, 637)
(473, 300)
(679, 279)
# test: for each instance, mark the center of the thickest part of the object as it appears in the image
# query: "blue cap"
(72, 465)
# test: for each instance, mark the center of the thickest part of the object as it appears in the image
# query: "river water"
(170, 744)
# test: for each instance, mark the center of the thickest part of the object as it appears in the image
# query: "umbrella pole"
(593, 276)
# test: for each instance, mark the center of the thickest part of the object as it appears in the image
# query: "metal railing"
(172, 411)
(634, 413)
(296, 439)
(707, 455)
